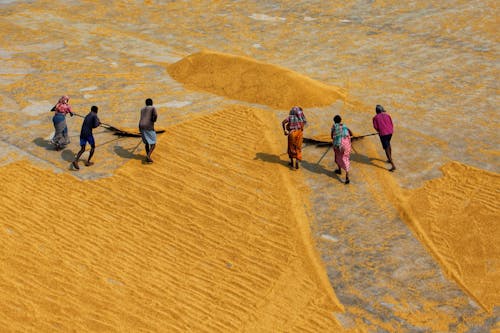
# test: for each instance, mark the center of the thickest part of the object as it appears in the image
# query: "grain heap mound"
(252, 81)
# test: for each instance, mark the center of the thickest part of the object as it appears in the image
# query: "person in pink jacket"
(61, 109)
(382, 122)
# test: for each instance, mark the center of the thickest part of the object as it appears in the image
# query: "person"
(341, 137)
(61, 109)
(382, 122)
(293, 127)
(146, 127)
(90, 122)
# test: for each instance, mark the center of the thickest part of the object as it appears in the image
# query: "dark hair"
(94, 108)
(149, 101)
(379, 108)
(337, 119)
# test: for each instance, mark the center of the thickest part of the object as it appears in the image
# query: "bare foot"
(89, 163)
(75, 165)
(392, 169)
(338, 171)
(347, 181)
(148, 160)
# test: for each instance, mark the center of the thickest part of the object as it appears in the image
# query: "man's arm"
(154, 115)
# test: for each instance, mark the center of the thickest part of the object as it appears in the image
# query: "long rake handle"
(327, 150)
(107, 126)
(362, 136)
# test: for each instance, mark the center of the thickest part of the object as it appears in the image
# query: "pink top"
(63, 108)
(382, 122)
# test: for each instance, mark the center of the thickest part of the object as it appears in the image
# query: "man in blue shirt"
(90, 122)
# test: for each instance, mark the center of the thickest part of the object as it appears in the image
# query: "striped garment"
(295, 122)
(338, 134)
(342, 146)
(301, 115)
(343, 153)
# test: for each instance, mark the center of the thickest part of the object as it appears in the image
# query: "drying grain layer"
(246, 79)
(209, 238)
(457, 217)
(433, 65)
(474, 271)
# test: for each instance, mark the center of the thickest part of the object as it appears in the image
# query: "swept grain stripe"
(205, 239)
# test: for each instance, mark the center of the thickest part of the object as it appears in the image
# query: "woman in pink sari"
(341, 137)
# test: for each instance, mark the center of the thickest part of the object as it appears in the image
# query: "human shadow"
(270, 158)
(312, 167)
(68, 155)
(41, 142)
(355, 157)
(128, 153)
(316, 167)
(320, 170)
(363, 159)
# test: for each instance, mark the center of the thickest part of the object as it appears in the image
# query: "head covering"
(296, 118)
(379, 108)
(295, 110)
(63, 100)
(62, 105)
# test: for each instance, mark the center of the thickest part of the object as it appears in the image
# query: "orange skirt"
(295, 139)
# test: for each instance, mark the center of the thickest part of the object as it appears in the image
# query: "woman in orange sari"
(293, 127)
